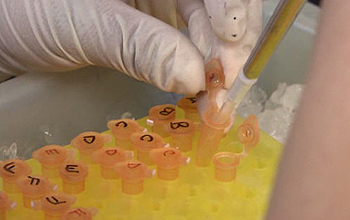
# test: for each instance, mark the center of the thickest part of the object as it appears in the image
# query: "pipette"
(278, 25)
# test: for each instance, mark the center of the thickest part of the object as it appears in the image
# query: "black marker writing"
(176, 125)
(71, 168)
(53, 200)
(167, 111)
(121, 123)
(89, 139)
(34, 179)
(146, 137)
(9, 166)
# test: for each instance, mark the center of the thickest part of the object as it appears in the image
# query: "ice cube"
(276, 122)
(291, 97)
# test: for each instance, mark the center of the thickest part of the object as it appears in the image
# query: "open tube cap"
(248, 132)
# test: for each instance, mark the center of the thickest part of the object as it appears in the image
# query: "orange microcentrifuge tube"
(225, 166)
(73, 174)
(5, 205)
(79, 214)
(182, 132)
(160, 116)
(189, 105)
(11, 171)
(209, 140)
(168, 161)
(133, 174)
(144, 143)
(212, 131)
(248, 133)
(34, 188)
(88, 142)
(51, 157)
(122, 129)
(54, 205)
(108, 157)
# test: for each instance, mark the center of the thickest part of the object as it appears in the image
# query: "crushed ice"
(276, 113)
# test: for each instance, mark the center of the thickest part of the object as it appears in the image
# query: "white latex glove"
(226, 30)
(61, 35)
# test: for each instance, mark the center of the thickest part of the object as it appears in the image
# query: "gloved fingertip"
(189, 76)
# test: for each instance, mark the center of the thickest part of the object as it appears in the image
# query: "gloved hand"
(61, 35)
(226, 30)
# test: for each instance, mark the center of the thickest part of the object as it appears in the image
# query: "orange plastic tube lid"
(144, 143)
(5, 205)
(168, 161)
(73, 174)
(133, 174)
(88, 142)
(54, 205)
(189, 105)
(108, 157)
(225, 166)
(79, 214)
(122, 129)
(33, 188)
(182, 132)
(11, 171)
(51, 157)
(214, 79)
(248, 132)
(160, 115)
